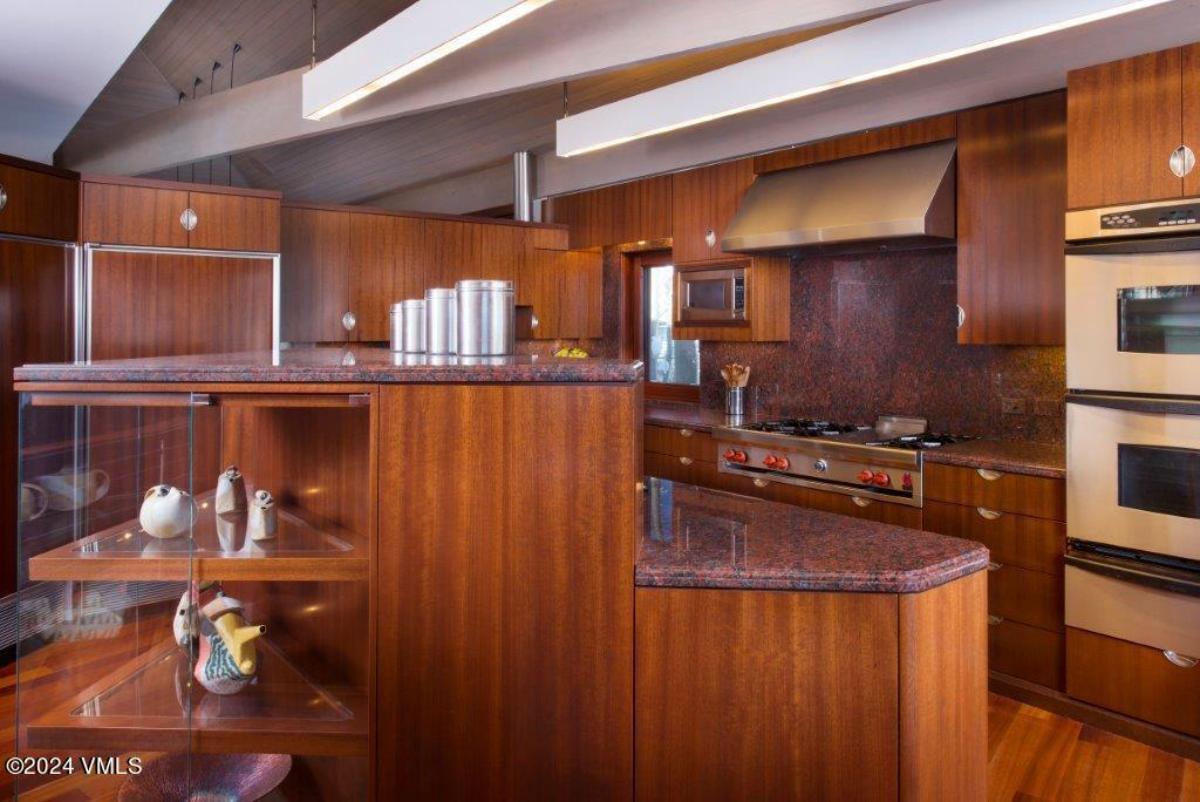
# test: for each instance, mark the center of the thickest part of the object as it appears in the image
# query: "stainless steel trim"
(3, 197)
(88, 267)
(821, 447)
(1181, 660)
(1182, 161)
(276, 309)
(522, 186)
(164, 249)
(1126, 608)
(56, 243)
(799, 481)
(1084, 224)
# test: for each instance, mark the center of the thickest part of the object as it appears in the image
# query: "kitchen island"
(788, 653)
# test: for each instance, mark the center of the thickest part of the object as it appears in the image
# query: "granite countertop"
(333, 364)
(1034, 459)
(699, 538)
(687, 416)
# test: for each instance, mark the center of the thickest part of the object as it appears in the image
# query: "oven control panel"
(1160, 217)
(1146, 219)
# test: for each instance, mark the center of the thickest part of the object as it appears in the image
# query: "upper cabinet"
(635, 211)
(1125, 119)
(38, 201)
(703, 201)
(875, 140)
(766, 294)
(1011, 188)
(315, 275)
(120, 211)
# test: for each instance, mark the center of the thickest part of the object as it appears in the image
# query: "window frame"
(634, 325)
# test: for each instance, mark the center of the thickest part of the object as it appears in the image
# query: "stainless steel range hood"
(896, 200)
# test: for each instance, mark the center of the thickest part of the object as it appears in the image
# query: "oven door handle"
(1136, 572)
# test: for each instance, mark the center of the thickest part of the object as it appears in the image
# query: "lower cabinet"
(786, 695)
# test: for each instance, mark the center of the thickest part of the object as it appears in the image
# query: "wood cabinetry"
(623, 213)
(703, 201)
(768, 302)
(38, 201)
(1191, 113)
(1020, 519)
(1124, 119)
(566, 291)
(129, 211)
(779, 695)
(1012, 161)
(508, 658)
(876, 140)
(315, 275)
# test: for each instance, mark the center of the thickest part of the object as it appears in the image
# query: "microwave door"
(1133, 323)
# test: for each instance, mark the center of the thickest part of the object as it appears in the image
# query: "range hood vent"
(898, 200)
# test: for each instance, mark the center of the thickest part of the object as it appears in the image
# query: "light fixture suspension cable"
(182, 95)
(195, 83)
(237, 48)
(313, 60)
(566, 97)
(212, 84)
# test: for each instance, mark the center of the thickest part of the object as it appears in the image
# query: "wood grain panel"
(1123, 120)
(1191, 113)
(1028, 597)
(918, 132)
(629, 212)
(506, 606)
(1037, 544)
(314, 273)
(766, 695)
(1132, 679)
(581, 302)
(680, 442)
(1038, 496)
(1027, 652)
(165, 305)
(704, 200)
(35, 282)
(768, 303)
(228, 222)
(120, 214)
(1012, 171)
(943, 692)
(39, 203)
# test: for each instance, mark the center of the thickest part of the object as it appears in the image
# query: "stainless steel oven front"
(1133, 473)
(708, 296)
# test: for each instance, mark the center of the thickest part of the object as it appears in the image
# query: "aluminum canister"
(440, 326)
(396, 319)
(486, 318)
(413, 338)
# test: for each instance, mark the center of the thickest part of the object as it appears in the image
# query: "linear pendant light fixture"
(423, 33)
(916, 37)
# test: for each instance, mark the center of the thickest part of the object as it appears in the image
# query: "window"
(668, 361)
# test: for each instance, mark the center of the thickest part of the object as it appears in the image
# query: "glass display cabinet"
(203, 630)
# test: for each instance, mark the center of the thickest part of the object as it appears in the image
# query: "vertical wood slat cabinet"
(1191, 114)
(38, 201)
(623, 213)
(1012, 160)
(1124, 120)
(386, 265)
(314, 267)
(566, 291)
(703, 201)
(505, 663)
(129, 211)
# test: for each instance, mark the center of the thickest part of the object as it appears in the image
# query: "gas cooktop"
(803, 427)
(921, 442)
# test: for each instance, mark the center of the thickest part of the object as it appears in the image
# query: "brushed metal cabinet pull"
(761, 483)
(189, 219)
(1181, 660)
(993, 620)
(349, 321)
(710, 238)
(994, 566)
(988, 515)
(962, 315)
(988, 476)
(640, 487)
(686, 460)
(860, 501)
(1182, 161)
(3, 197)
(686, 432)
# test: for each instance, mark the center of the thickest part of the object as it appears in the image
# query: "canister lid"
(413, 303)
(484, 285)
(438, 293)
(398, 307)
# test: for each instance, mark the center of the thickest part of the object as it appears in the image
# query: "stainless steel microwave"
(710, 296)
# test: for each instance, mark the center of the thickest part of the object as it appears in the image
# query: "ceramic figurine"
(264, 518)
(187, 620)
(167, 512)
(227, 660)
(231, 531)
(231, 491)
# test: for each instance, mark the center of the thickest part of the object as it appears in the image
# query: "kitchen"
(506, 404)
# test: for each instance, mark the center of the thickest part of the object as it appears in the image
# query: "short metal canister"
(440, 327)
(486, 317)
(413, 338)
(396, 327)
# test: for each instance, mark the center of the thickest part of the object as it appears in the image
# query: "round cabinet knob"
(882, 479)
(686, 432)
(3, 197)
(1182, 161)
(820, 466)
(710, 238)
(685, 460)
(866, 477)
(349, 321)
(782, 463)
(188, 219)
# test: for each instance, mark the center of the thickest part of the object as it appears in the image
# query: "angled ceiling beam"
(914, 38)
(565, 41)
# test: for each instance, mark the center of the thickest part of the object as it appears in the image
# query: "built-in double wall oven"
(1133, 425)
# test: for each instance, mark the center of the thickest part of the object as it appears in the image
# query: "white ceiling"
(55, 57)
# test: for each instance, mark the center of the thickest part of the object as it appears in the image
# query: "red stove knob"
(729, 454)
(769, 461)
(882, 479)
(866, 477)
(782, 463)
(739, 456)
(907, 482)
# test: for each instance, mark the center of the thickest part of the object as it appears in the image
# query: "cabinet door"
(118, 214)
(541, 283)
(703, 201)
(234, 222)
(1012, 161)
(452, 251)
(315, 275)
(372, 267)
(1123, 122)
(36, 204)
(581, 288)
(1191, 114)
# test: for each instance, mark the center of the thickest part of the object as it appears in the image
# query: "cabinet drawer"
(681, 442)
(677, 469)
(1037, 496)
(1029, 597)
(39, 205)
(1033, 543)
(1136, 680)
(870, 509)
(134, 215)
(234, 222)
(1027, 652)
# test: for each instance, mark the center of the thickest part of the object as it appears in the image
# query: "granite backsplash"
(876, 335)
